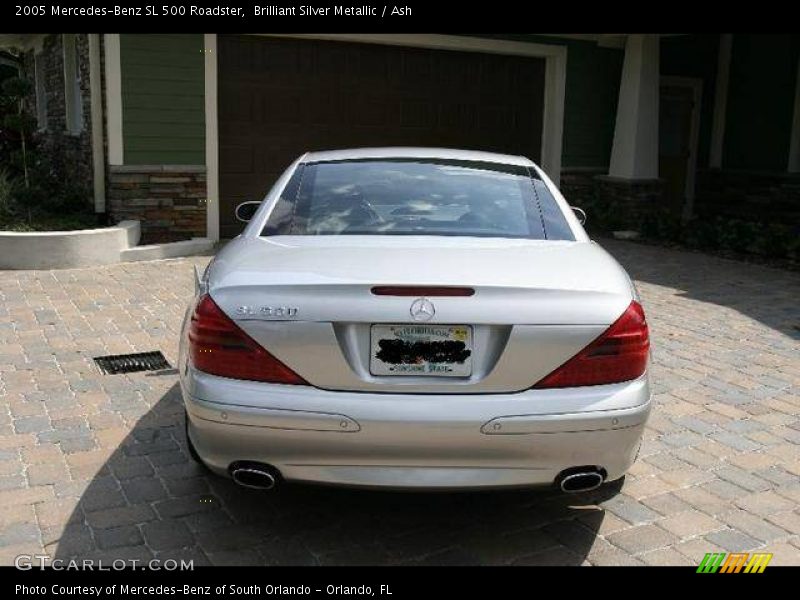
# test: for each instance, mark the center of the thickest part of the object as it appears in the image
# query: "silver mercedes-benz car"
(415, 318)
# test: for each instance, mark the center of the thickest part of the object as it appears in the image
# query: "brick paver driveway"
(96, 466)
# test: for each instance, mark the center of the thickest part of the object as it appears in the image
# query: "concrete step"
(168, 250)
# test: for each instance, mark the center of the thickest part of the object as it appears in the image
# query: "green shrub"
(735, 234)
(700, 233)
(596, 214)
(793, 244)
(65, 199)
(661, 225)
(671, 228)
(650, 227)
(30, 198)
(16, 87)
(608, 217)
(8, 189)
(773, 240)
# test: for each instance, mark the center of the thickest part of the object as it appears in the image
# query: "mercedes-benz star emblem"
(422, 309)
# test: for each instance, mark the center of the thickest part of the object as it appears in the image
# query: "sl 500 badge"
(279, 312)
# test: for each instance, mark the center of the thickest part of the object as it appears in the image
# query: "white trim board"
(113, 76)
(212, 136)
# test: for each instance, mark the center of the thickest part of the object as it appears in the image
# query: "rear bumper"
(415, 440)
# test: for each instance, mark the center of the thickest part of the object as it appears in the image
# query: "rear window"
(417, 197)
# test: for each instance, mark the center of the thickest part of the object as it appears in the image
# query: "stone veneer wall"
(767, 197)
(69, 155)
(608, 200)
(630, 199)
(762, 197)
(169, 200)
(578, 185)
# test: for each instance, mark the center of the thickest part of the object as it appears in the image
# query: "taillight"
(620, 354)
(219, 347)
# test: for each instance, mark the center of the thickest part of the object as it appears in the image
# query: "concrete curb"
(67, 249)
(168, 250)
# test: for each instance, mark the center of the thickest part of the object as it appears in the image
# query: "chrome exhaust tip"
(254, 477)
(585, 481)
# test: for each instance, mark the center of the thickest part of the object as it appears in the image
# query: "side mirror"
(246, 210)
(580, 213)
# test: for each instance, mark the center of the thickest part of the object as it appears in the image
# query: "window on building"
(41, 91)
(72, 85)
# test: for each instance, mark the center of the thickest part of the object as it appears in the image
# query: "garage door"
(279, 98)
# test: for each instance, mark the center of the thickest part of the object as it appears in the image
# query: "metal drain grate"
(132, 363)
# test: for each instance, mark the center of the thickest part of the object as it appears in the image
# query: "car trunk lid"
(309, 301)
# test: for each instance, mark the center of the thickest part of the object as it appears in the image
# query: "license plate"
(421, 350)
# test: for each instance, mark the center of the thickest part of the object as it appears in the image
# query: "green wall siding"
(163, 107)
(695, 56)
(760, 102)
(590, 112)
(590, 103)
(163, 97)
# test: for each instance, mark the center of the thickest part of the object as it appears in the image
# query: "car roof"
(409, 152)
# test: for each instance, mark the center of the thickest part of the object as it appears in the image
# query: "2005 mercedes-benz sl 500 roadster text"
(415, 318)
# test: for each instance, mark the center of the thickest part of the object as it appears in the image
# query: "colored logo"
(736, 562)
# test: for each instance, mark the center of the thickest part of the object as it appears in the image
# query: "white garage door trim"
(555, 78)
(212, 137)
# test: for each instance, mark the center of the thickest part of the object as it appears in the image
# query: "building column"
(632, 186)
(634, 154)
(113, 81)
